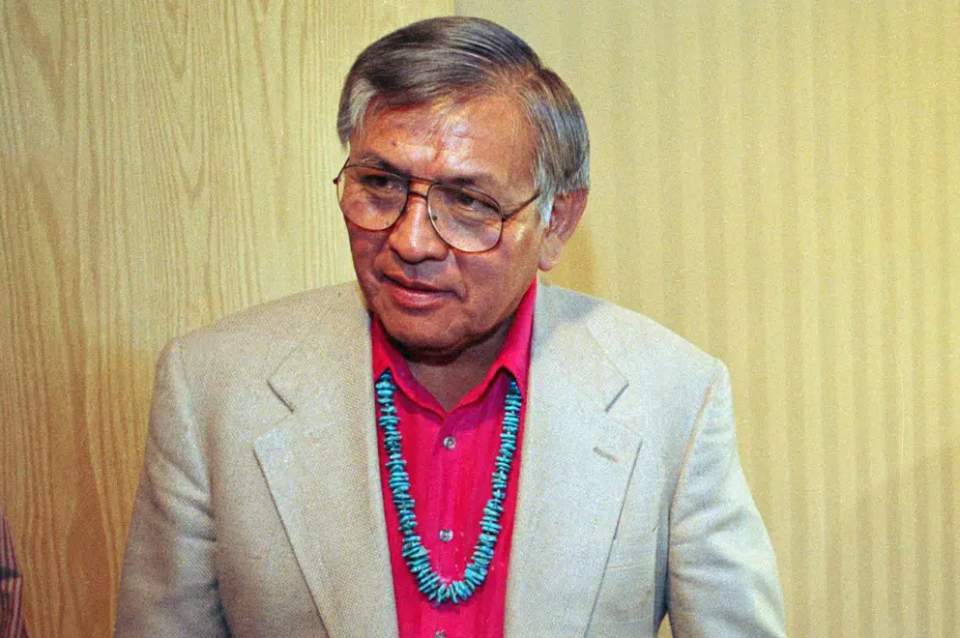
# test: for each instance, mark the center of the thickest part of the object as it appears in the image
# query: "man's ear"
(566, 214)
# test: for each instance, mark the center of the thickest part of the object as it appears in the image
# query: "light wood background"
(777, 181)
(780, 183)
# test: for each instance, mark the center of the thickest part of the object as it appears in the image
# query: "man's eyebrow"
(375, 161)
(478, 181)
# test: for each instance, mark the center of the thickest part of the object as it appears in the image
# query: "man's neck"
(450, 378)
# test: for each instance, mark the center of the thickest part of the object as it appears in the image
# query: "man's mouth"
(415, 295)
(413, 284)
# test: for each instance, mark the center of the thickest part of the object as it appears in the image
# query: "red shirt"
(12, 624)
(450, 460)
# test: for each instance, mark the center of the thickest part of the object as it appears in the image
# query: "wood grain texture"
(780, 183)
(161, 165)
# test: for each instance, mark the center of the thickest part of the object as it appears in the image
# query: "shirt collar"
(514, 357)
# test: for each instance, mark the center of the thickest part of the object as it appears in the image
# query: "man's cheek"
(364, 251)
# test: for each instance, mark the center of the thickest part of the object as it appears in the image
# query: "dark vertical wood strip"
(824, 205)
(915, 162)
(669, 162)
(713, 177)
(857, 139)
(947, 206)
(754, 243)
(795, 264)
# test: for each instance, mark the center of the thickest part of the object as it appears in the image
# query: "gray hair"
(462, 58)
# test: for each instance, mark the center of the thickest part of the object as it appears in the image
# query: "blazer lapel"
(321, 465)
(575, 465)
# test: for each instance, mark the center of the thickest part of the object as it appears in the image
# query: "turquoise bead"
(493, 508)
(472, 577)
(442, 594)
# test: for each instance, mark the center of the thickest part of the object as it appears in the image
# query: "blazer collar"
(321, 465)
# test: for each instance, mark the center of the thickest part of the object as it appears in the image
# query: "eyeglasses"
(465, 219)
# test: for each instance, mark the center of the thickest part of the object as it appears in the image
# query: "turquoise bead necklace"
(415, 555)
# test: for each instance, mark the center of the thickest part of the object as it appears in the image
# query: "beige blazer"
(260, 514)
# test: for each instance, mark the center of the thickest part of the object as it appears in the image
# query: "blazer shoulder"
(258, 338)
(654, 359)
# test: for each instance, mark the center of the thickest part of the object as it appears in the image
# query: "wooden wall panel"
(780, 183)
(161, 164)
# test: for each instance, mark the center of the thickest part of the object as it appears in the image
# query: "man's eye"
(466, 202)
(380, 182)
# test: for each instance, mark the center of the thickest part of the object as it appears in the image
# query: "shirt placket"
(446, 515)
(448, 450)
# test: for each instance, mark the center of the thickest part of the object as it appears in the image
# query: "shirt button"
(440, 634)
(449, 442)
(446, 535)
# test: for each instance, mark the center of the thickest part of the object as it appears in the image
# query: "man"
(456, 450)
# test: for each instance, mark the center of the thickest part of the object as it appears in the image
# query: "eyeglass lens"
(374, 199)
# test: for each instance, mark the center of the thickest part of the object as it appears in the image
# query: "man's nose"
(413, 237)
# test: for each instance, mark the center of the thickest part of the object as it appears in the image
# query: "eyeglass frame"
(504, 216)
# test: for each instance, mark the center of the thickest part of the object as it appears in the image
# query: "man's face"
(433, 299)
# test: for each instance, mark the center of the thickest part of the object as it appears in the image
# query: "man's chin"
(416, 346)
(419, 344)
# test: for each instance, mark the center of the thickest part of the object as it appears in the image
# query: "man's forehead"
(453, 118)
(481, 128)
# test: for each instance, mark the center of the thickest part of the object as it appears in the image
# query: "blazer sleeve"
(169, 581)
(721, 571)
